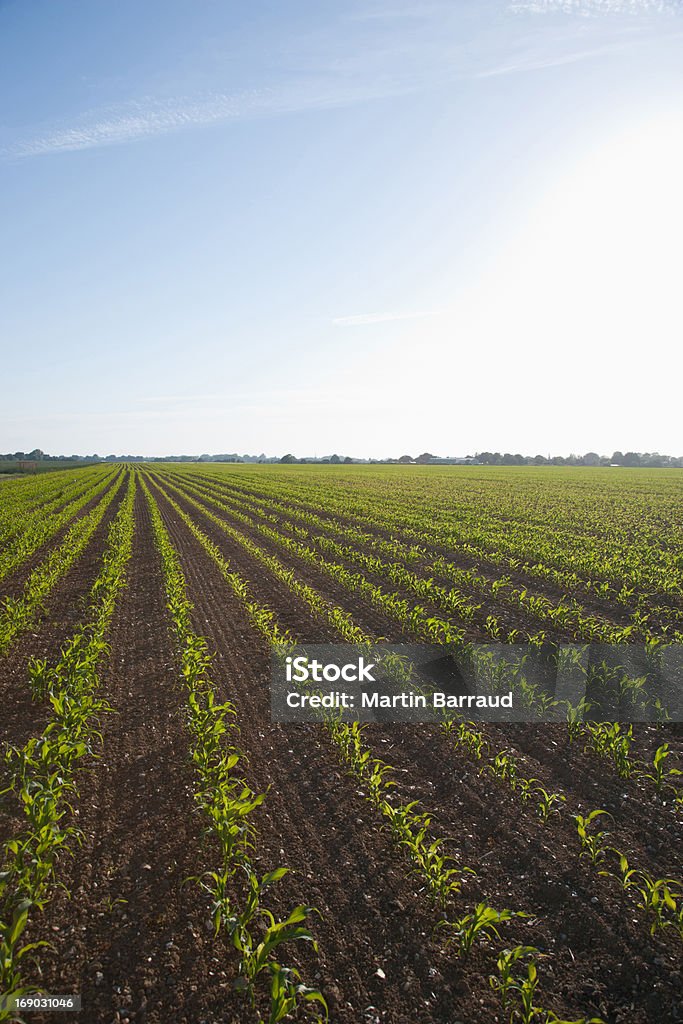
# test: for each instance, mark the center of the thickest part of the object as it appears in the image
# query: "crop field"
(175, 857)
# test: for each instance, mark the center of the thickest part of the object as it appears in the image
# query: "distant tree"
(423, 459)
(289, 458)
(618, 458)
(404, 459)
(631, 459)
(335, 459)
(348, 461)
(591, 459)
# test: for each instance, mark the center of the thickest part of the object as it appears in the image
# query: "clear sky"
(363, 226)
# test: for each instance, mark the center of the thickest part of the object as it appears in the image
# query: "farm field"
(149, 804)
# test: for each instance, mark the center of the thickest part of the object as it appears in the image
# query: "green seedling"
(548, 803)
(592, 843)
(481, 924)
(660, 775)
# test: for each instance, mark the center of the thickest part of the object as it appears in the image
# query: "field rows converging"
(173, 854)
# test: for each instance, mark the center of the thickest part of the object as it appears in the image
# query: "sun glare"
(597, 263)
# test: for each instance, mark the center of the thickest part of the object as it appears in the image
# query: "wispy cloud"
(148, 117)
(361, 319)
(594, 8)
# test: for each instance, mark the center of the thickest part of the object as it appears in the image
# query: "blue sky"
(364, 227)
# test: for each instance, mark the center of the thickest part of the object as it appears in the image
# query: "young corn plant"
(506, 982)
(548, 803)
(377, 781)
(472, 739)
(629, 876)
(608, 740)
(593, 844)
(257, 954)
(480, 925)
(528, 1012)
(404, 820)
(504, 766)
(527, 788)
(576, 716)
(660, 775)
(661, 899)
(524, 988)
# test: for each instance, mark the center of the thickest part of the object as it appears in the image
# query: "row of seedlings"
(41, 776)
(238, 893)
